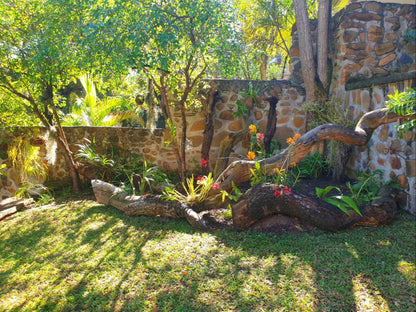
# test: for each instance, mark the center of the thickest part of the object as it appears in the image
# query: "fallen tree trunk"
(151, 205)
(256, 204)
(260, 202)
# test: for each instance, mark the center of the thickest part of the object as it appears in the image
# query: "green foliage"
(333, 112)
(25, 159)
(3, 171)
(313, 166)
(88, 155)
(367, 187)
(234, 195)
(148, 177)
(91, 111)
(404, 104)
(342, 202)
(194, 191)
(172, 132)
(257, 175)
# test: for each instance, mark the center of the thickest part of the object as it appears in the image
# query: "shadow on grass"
(95, 258)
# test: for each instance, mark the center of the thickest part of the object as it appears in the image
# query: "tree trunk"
(151, 205)
(260, 202)
(209, 126)
(263, 66)
(271, 124)
(324, 15)
(305, 48)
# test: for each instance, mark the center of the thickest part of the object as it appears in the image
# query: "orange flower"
(251, 155)
(252, 128)
(297, 136)
(276, 170)
(289, 141)
(293, 164)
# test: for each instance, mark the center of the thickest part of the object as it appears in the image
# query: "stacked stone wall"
(151, 145)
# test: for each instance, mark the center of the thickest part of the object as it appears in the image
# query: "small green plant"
(234, 195)
(88, 154)
(193, 192)
(367, 187)
(25, 158)
(241, 111)
(257, 175)
(313, 166)
(404, 104)
(342, 202)
(148, 177)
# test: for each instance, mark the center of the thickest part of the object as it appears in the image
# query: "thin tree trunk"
(271, 123)
(263, 66)
(324, 15)
(208, 134)
(305, 48)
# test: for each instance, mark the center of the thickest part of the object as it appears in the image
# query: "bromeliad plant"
(194, 192)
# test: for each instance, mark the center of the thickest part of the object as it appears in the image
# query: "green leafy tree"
(267, 27)
(91, 111)
(38, 57)
(187, 40)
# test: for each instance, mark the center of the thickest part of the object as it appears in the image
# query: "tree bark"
(305, 48)
(260, 202)
(324, 15)
(271, 123)
(209, 126)
(151, 205)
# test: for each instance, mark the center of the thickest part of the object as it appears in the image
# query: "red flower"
(260, 137)
(200, 178)
(215, 186)
(204, 162)
(283, 191)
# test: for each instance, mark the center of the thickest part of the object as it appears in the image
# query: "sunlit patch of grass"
(367, 296)
(80, 256)
(408, 269)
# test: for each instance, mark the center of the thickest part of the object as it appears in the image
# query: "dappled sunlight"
(408, 269)
(367, 296)
(352, 250)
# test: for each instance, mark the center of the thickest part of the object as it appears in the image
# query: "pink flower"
(200, 178)
(204, 162)
(260, 137)
(215, 186)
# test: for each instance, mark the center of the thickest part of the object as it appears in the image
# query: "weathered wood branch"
(260, 202)
(151, 205)
(239, 171)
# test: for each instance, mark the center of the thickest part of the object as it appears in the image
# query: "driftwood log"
(260, 201)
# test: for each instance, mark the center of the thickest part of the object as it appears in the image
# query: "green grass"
(81, 256)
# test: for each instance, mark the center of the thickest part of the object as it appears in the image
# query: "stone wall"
(151, 145)
(372, 53)
(373, 56)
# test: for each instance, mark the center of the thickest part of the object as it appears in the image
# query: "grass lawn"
(82, 256)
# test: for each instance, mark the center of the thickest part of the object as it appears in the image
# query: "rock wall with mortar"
(151, 145)
(372, 53)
